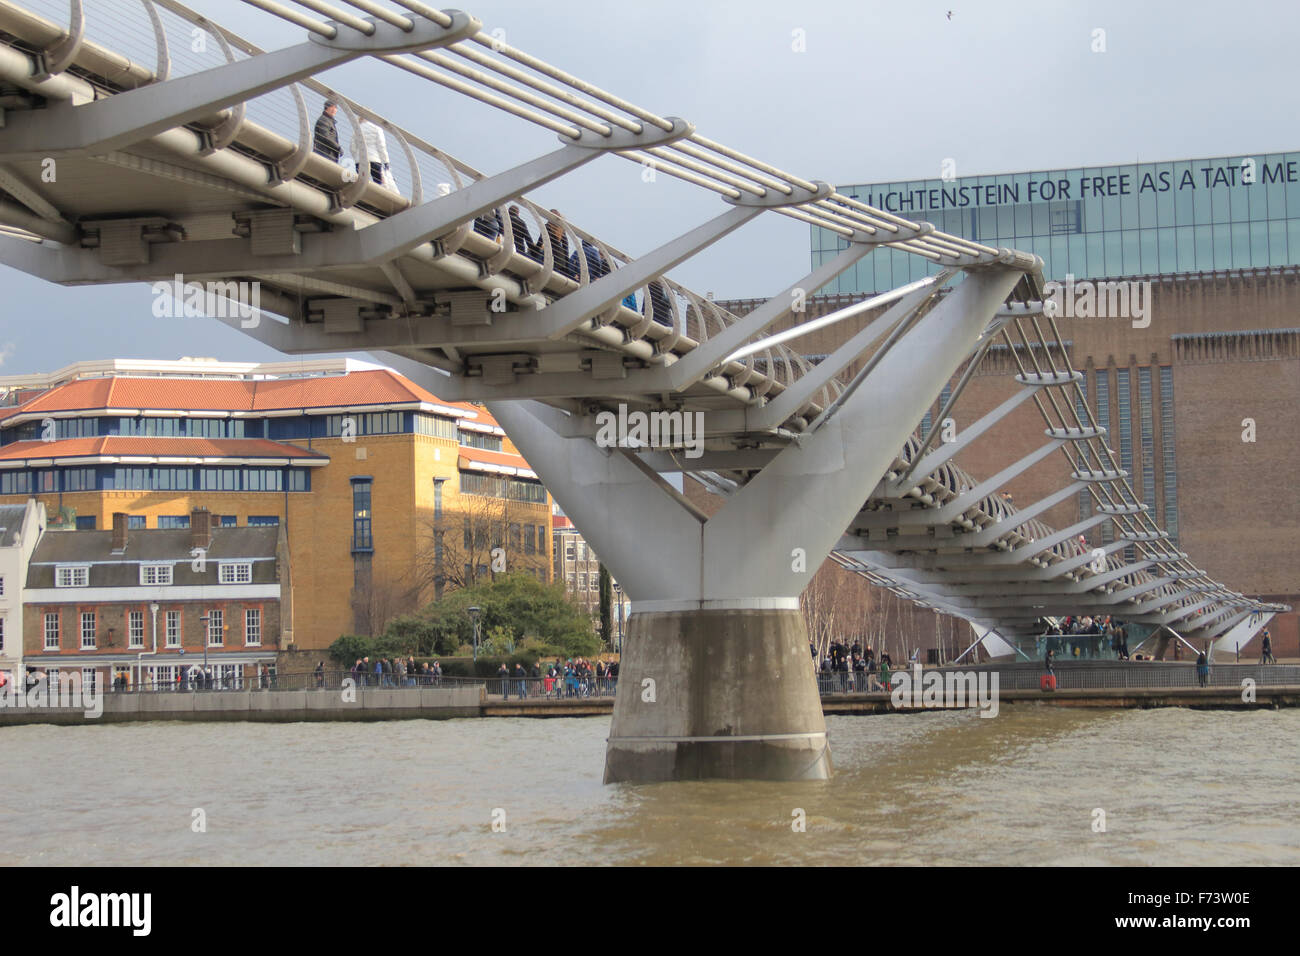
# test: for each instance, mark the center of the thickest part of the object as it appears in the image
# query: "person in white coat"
(376, 152)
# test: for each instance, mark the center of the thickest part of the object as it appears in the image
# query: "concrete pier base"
(714, 694)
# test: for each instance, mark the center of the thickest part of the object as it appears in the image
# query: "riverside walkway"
(1103, 686)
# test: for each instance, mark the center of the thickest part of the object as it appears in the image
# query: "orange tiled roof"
(370, 387)
(146, 447)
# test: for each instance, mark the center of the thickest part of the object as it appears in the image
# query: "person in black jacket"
(326, 139)
(523, 239)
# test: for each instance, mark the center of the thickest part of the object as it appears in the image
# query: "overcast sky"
(882, 92)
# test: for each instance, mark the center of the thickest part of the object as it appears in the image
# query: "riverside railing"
(199, 682)
(1096, 675)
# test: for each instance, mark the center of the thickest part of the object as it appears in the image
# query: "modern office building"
(1200, 393)
(387, 493)
(1194, 216)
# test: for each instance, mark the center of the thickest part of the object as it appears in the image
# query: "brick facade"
(1232, 348)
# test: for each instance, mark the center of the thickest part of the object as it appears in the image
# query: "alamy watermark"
(179, 299)
(638, 429)
(945, 690)
(1086, 299)
(68, 690)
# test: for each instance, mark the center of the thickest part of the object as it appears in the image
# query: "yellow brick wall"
(319, 522)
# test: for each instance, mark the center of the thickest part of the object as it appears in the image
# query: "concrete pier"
(717, 693)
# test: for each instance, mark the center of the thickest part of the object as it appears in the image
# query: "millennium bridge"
(141, 141)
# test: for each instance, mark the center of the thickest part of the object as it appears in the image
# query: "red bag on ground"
(1047, 682)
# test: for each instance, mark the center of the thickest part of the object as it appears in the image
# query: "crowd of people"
(390, 672)
(325, 142)
(849, 667)
(1085, 637)
(576, 677)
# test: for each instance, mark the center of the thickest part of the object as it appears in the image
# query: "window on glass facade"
(472, 439)
(16, 483)
(434, 426)
(1114, 221)
(367, 423)
(490, 486)
(361, 537)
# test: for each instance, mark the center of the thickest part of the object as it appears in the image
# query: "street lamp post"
(203, 619)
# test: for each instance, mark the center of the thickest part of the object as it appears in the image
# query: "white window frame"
(94, 621)
(253, 626)
(167, 629)
(45, 630)
(132, 641)
(229, 572)
(217, 617)
(160, 572)
(2, 633)
(75, 580)
(89, 680)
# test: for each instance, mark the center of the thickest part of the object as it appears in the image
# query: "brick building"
(387, 494)
(147, 604)
(577, 566)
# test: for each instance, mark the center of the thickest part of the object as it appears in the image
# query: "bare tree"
(477, 540)
(836, 605)
(377, 599)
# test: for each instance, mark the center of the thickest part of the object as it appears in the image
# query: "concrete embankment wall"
(442, 703)
(271, 705)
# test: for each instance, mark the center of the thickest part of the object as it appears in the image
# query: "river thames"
(1177, 787)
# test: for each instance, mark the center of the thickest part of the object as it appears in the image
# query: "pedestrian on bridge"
(325, 141)
(1202, 669)
(376, 153)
